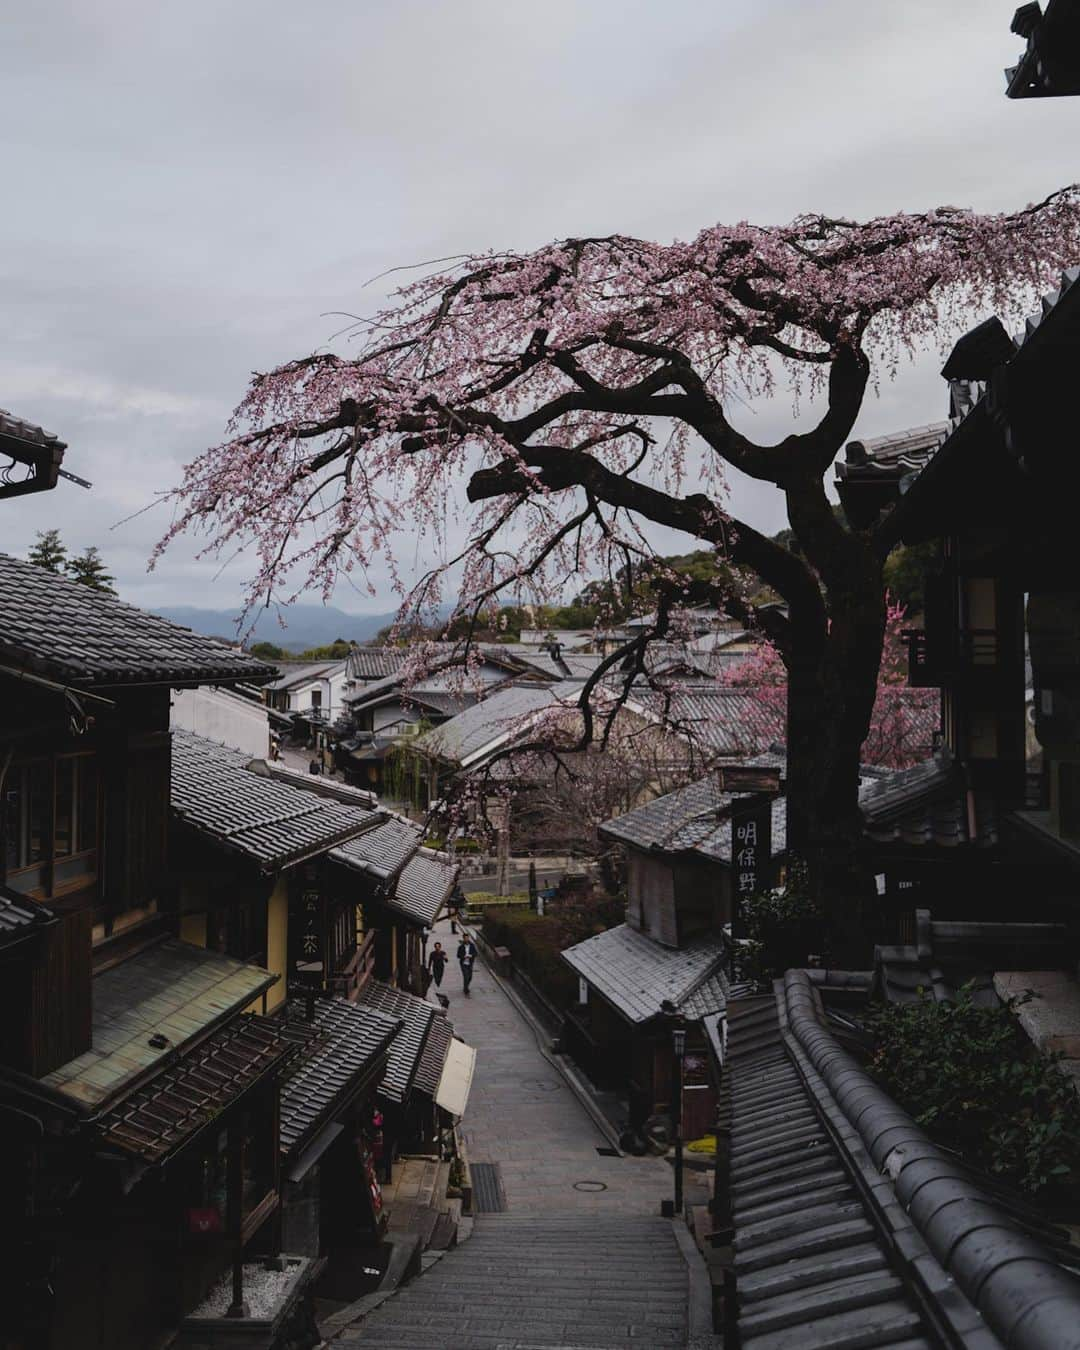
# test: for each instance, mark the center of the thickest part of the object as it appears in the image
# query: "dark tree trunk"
(832, 684)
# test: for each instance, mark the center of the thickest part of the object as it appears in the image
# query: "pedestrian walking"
(466, 955)
(456, 900)
(437, 963)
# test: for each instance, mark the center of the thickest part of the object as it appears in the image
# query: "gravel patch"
(265, 1291)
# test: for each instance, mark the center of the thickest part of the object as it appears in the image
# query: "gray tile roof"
(171, 990)
(636, 974)
(926, 805)
(896, 454)
(694, 818)
(293, 675)
(948, 954)
(382, 851)
(849, 1222)
(808, 1265)
(424, 886)
(346, 1040)
(433, 1060)
(30, 457)
(19, 916)
(20, 430)
(503, 717)
(214, 792)
(55, 627)
(160, 1118)
(320, 784)
(715, 719)
(374, 663)
(407, 1047)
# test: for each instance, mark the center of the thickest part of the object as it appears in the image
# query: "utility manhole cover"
(541, 1085)
(589, 1186)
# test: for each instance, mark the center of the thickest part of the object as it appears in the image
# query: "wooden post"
(235, 1206)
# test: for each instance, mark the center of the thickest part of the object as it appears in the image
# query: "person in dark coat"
(437, 963)
(466, 955)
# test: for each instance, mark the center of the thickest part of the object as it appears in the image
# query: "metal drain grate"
(488, 1194)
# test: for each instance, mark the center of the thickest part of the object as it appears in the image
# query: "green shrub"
(969, 1076)
(534, 943)
(783, 927)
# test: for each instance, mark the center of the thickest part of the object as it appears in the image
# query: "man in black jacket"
(466, 955)
(437, 963)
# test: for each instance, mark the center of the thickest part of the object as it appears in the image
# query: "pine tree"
(89, 570)
(49, 551)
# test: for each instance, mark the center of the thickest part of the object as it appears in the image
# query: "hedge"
(534, 943)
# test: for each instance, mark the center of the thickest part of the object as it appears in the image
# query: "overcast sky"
(191, 190)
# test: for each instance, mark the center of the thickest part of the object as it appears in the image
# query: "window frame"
(17, 786)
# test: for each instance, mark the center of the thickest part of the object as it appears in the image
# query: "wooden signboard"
(748, 778)
(751, 851)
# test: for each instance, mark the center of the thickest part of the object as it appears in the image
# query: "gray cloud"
(191, 191)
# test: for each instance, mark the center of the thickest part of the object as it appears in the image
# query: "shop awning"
(452, 1094)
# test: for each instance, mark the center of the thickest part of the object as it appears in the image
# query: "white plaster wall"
(222, 716)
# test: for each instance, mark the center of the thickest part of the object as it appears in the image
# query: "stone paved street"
(568, 1264)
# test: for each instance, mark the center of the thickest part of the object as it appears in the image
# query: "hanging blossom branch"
(537, 379)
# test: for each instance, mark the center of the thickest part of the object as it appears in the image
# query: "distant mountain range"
(306, 625)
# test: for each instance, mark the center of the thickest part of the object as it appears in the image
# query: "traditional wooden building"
(990, 488)
(330, 892)
(330, 1137)
(686, 856)
(133, 1080)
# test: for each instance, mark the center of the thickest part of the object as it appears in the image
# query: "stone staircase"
(590, 1281)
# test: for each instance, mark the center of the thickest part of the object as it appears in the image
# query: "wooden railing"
(350, 978)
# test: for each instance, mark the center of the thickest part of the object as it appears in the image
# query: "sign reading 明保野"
(751, 849)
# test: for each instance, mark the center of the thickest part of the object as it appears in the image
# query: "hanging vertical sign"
(307, 952)
(751, 849)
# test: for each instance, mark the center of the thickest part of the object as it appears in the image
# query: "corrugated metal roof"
(695, 818)
(408, 1045)
(213, 791)
(346, 1039)
(171, 993)
(56, 627)
(636, 975)
(159, 1119)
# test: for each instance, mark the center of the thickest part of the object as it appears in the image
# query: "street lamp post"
(678, 1041)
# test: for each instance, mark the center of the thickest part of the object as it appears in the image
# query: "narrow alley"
(579, 1255)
